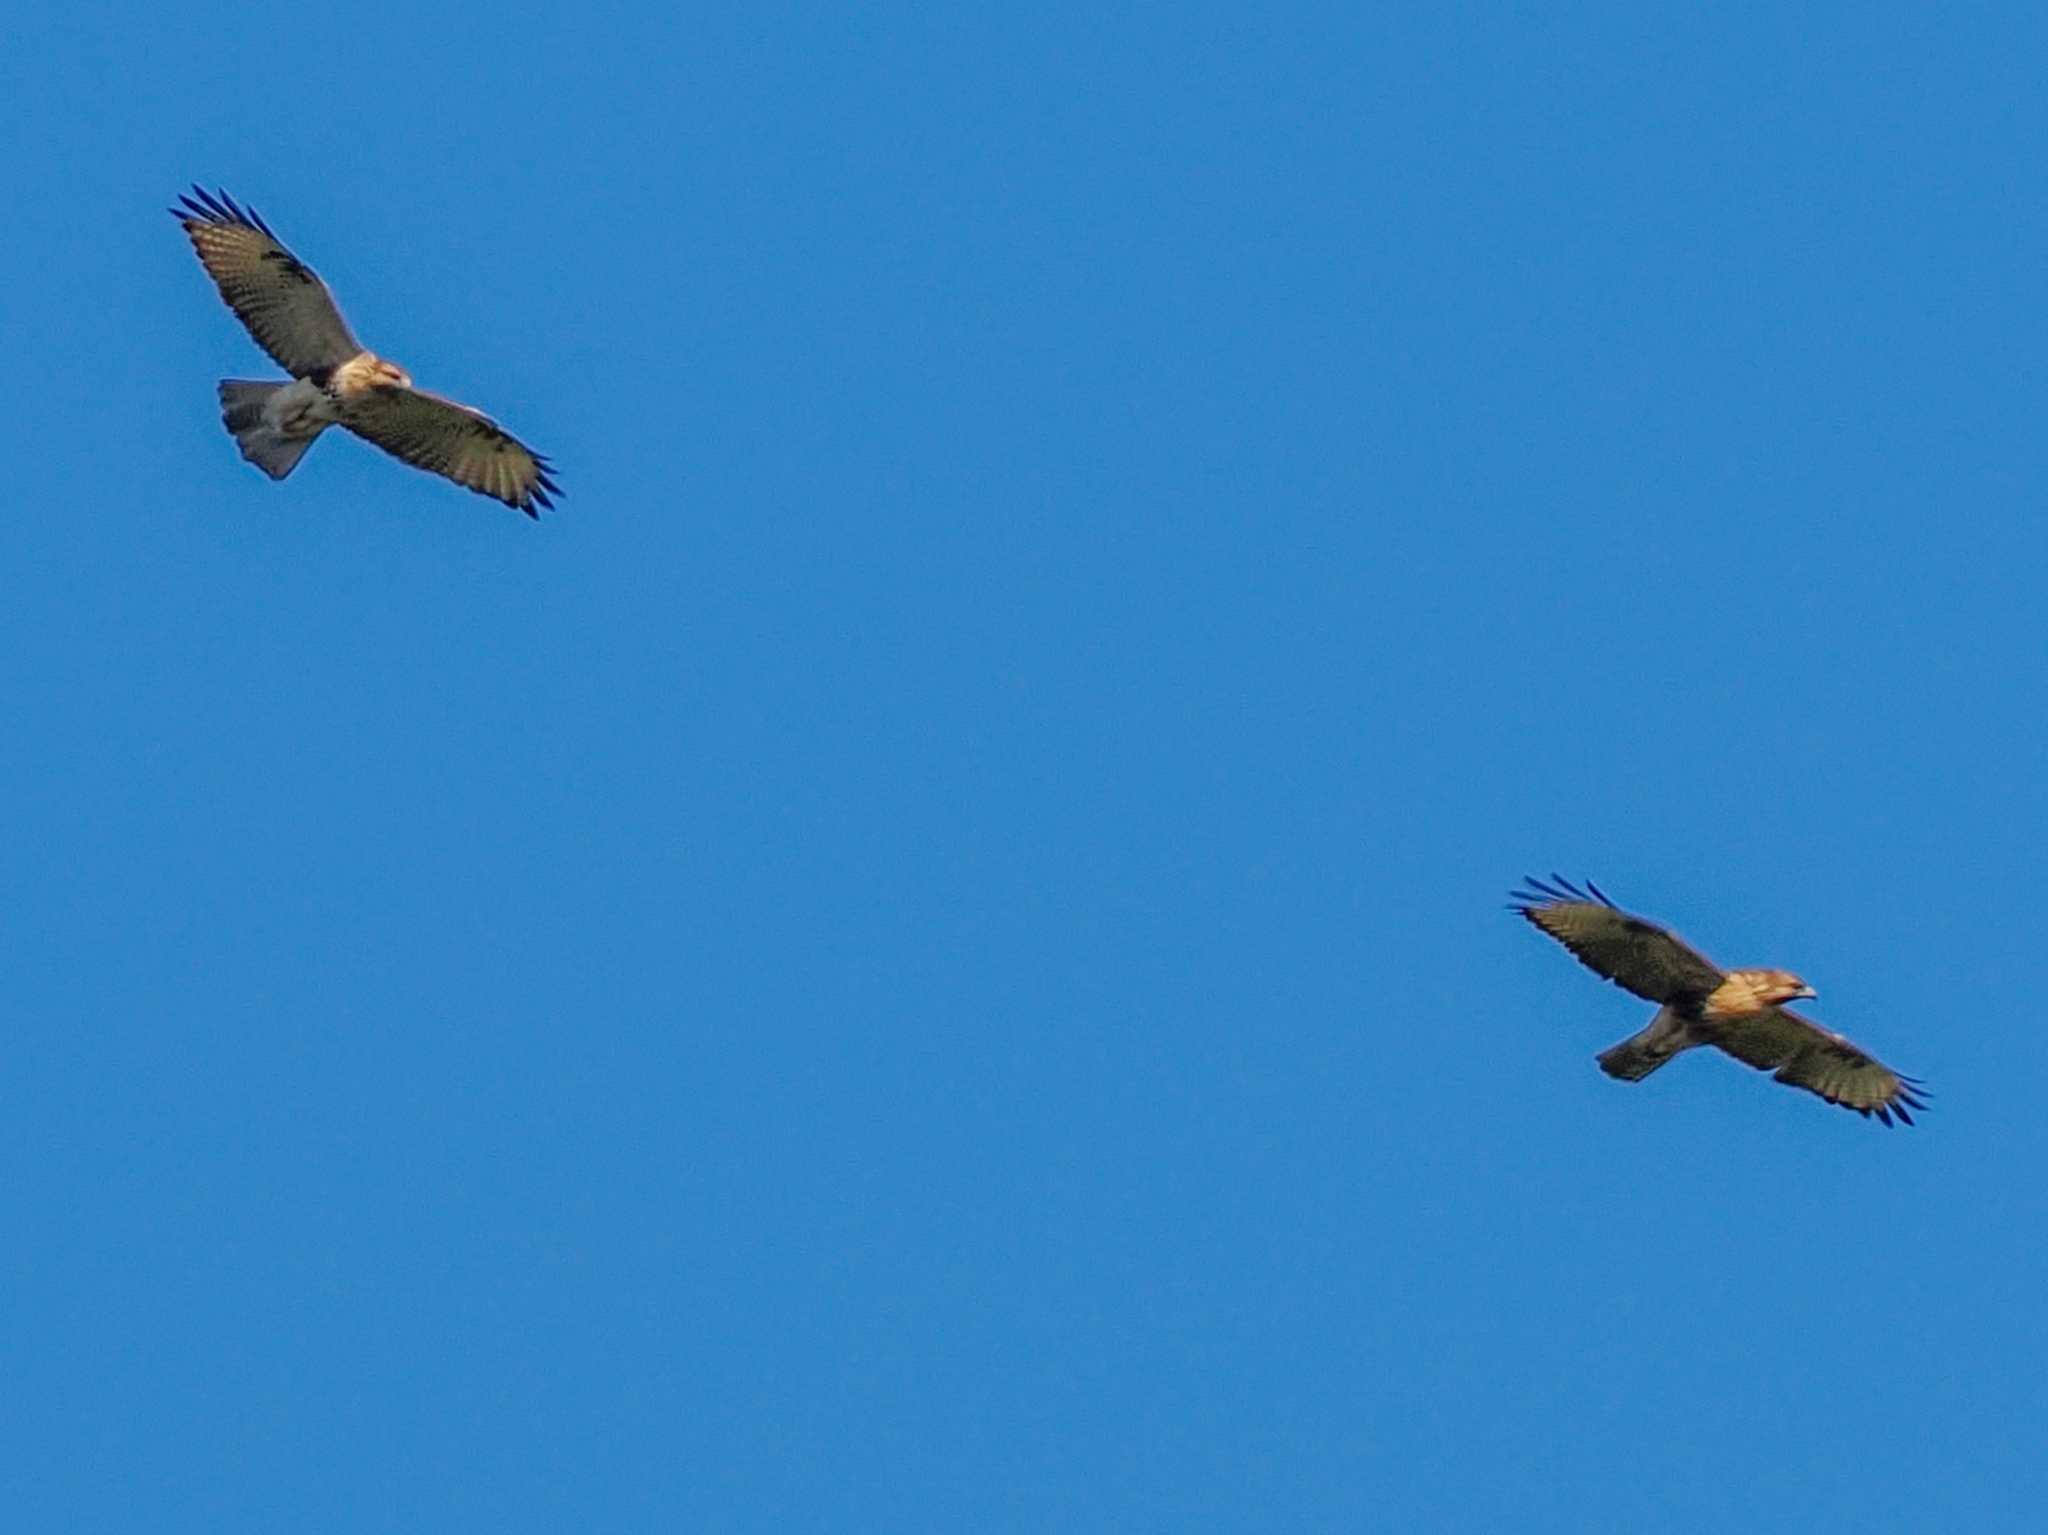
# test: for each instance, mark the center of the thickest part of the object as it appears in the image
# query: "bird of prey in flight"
(335, 380)
(1699, 1003)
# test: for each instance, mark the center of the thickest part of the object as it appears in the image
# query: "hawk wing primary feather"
(450, 439)
(1803, 1054)
(282, 301)
(1633, 953)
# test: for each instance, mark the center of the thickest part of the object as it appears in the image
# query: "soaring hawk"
(1701, 1004)
(335, 380)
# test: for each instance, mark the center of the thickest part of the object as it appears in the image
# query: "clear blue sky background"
(928, 952)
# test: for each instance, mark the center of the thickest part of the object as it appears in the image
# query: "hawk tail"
(1640, 1054)
(242, 403)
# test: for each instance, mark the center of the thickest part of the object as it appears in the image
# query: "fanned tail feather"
(1640, 1054)
(242, 402)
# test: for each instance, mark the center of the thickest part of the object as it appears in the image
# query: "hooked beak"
(1806, 992)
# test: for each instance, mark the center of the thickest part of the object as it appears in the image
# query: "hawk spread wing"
(1634, 954)
(1803, 1054)
(450, 439)
(282, 301)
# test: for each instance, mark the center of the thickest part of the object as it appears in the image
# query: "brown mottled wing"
(445, 438)
(1803, 1054)
(285, 305)
(1637, 955)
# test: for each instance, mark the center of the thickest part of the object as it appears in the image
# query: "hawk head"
(1773, 988)
(387, 374)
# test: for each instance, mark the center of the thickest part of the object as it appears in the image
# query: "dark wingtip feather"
(199, 204)
(1543, 892)
(217, 207)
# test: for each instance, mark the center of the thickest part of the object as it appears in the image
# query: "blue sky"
(927, 953)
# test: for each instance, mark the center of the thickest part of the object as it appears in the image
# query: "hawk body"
(336, 380)
(1739, 1012)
